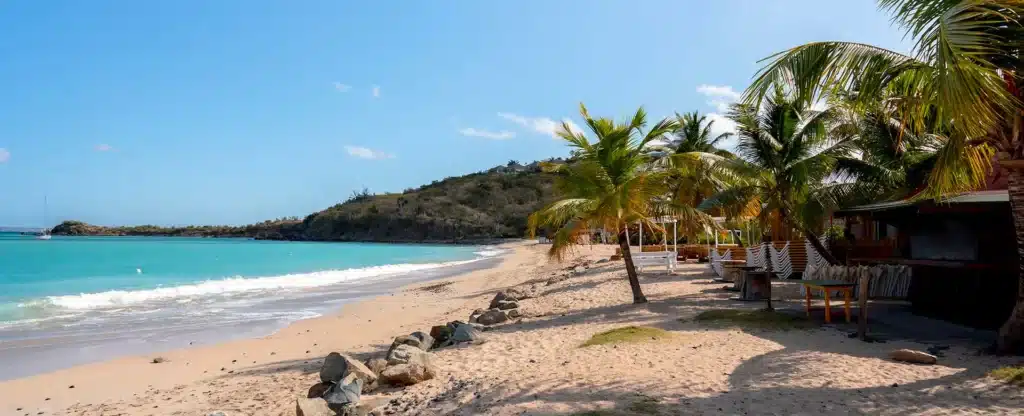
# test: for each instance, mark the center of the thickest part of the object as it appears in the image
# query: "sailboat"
(46, 231)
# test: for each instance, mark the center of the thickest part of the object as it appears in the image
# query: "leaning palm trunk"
(634, 281)
(1011, 334)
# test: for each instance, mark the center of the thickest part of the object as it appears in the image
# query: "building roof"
(978, 197)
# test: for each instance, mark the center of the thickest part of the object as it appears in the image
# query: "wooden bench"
(665, 259)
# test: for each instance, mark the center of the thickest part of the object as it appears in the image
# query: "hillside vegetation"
(479, 206)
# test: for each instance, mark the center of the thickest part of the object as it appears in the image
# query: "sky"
(230, 112)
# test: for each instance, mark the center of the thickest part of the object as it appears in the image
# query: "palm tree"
(691, 160)
(787, 153)
(965, 74)
(608, 184)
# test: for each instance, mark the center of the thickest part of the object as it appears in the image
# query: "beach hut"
(961, 252)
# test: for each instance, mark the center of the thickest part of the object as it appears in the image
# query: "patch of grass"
(627, 334)
(1011, 375)
(754, 319)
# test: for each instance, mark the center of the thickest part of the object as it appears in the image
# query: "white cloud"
(719, 96)
(367, 153)
(376, 91)
(4, 155)
(342, 87)
(542, 125)
(487, 134)
(103, 147)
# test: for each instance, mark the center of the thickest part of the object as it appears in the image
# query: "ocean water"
(71, 300)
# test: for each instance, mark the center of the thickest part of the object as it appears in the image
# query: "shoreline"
(36, 352)
(305, 340)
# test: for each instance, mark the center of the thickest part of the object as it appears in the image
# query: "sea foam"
(229, 286)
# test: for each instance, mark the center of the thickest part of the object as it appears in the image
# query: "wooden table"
(752, 283)
(828, 286)
(731, 265)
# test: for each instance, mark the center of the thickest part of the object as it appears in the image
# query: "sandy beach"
(536, 365)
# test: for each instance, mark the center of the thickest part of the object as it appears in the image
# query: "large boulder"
(338, 366)
(508, 304)
(407, 374)
(521, 292)
(416, 339)
(912, 356)
(344, 394)
(467, 333)
(492, 317)
(312, 407)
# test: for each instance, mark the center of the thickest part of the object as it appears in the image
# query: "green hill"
(479, 206)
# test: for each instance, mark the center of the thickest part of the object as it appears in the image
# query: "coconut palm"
(965, 74)
(608, 184)
(787, 153)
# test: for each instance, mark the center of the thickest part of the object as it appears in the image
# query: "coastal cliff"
(485, 205)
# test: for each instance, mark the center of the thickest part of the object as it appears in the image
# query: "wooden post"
(862, 304)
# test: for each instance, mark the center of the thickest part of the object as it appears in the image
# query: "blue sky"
(230, 112)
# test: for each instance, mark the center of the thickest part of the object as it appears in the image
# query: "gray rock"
(337, 366)
(334, 368)
(475, 315)
(508, 304)
(407, 374)
(467, 333)
(492, 317)
(602, 261)
(312, 407)
(514, 313)
(579, 270)
(217, 413)
(404, 354)
(344, 394)
(498, 297)
(912, 356)
(521, 292)
(426, 341)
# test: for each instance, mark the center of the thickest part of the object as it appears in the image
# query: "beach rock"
(407, 374)
(404, 354)
(467, 333)
(318, 390)
(912, 356)
(376, 365)
(441, 334)
(492, 317)
(312, 407)
(475, 315)
(498, 297)
(337, 366)
(514, 313)
(344, 394)
(416, 339)
(334, 368)
(217, 413)
(579, 269)
(521, 292)
(507, 304)
(602, 261)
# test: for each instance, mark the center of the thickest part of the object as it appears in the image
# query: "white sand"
(536, 366)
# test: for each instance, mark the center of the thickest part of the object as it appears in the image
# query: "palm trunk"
(1011, 334)
(634, 281)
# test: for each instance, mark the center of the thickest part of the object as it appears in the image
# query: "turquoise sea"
(117, 295)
